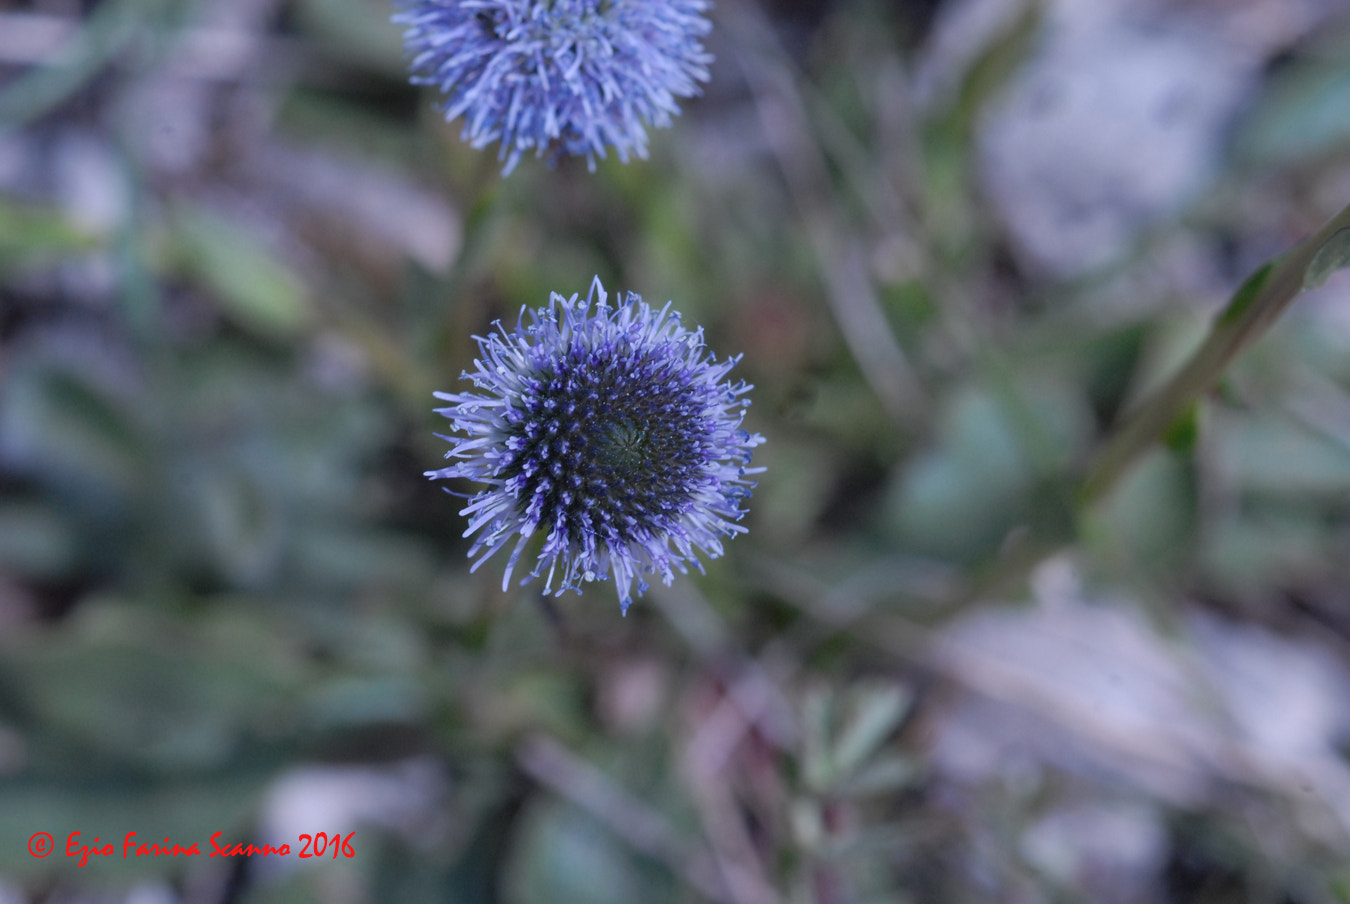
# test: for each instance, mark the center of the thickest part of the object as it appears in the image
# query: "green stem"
(1253, 309)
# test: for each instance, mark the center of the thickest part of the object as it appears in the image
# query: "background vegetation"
(955, 242)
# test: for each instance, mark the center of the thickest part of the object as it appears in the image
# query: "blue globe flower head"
(612, 432)
(573, 76)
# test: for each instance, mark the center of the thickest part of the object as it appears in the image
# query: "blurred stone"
(1113, 853)
(173, 123)
(151, 893)
(404, 798)
(91, 183)
(1117, 122)
(28, 38)
(1287, 698)
(632, 694)
(1113, 127)
(1093, 689)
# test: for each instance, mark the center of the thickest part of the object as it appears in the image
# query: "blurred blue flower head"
(610, 430)
(571, 75)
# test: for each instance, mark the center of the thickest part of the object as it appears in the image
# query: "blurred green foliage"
(219, 562)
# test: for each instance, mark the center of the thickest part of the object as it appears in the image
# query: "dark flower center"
(623, 446)
(613, 443)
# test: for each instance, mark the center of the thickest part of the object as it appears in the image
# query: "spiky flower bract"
(611, 431)
(574, 75)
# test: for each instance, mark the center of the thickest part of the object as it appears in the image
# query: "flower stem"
(1254, 308)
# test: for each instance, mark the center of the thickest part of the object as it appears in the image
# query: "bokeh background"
(954, 240)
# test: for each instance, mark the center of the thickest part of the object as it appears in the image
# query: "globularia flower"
(574, 75)
(612, 432)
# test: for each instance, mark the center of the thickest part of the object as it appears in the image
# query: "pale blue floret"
(575, 76)
(610, 430)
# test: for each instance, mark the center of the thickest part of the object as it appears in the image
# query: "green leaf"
(960, 498)
(1340, 887)
(359, 29)
(1247, 293)
(1275, 456)
(255, 287)
(817, 770)
(240, 523)
(1249, 555)
(884, 775)
(876, 713)
(35, 541)
(325, 556)
(562, 856)
(1332, 256)
(33, 236)
(1184, 433)
(109, 28)
(75, 433)
(354, 701)
(1301, 114)
(143, 689)
(993, 69)
(1148, 522)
